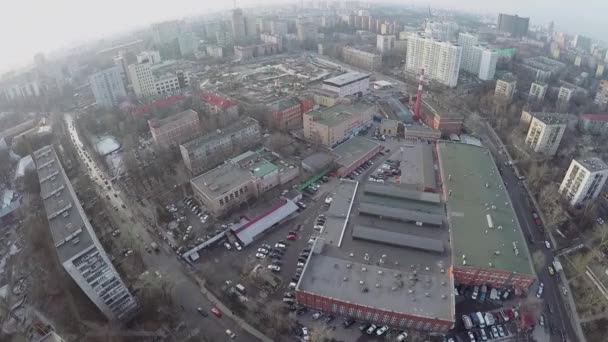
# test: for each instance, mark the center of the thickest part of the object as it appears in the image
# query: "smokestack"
(419, 97)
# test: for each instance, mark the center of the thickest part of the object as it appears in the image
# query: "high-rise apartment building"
(306, 30)
(487, 63)
(582, 42)
(278, 27)
(470, 61)
(175, 129)
(142, 79)
(505, 86)
(584, 180)
(224, 37)
(166, 32)
(513, 25)
(238, 24)
(107, 87)
(440, 60)
(78, 249)
(538, 90)
(251, 28)
(545, 132)
(563, 97)
(601, 97)
(385, 43)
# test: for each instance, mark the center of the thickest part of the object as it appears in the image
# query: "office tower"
(513, 25)
(238, 24)
(107, 87)
(76, 244)
(440, 60)
(584, 180)
(166, 32)
(142, 79)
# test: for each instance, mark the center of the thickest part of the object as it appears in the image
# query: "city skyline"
(30, 39)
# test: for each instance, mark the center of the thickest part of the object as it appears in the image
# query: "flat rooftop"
(417, 165)
(217, 134)
(551, 118)
(335, 115)
(70, 228)
(222, 179)
(345, 79)
(593, 164)
(379, 263)
(187, 114)
(353, 149)
(474, 190)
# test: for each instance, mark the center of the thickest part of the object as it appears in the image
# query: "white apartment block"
(152, 56)
(107, 87)
(601, 97)
(77, 247)
(470, 61)
(545, 132)
(487, 64)
(385, 43)
(584, 180)
(361, 59)
(538, 90)
(563, 97)
(142, 79)
(440, 60)
(505, 88)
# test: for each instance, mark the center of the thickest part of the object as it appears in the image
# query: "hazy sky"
(28, 26)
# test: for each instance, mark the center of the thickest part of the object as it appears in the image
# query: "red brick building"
(493, 277)
(440, 118)
(286, 113)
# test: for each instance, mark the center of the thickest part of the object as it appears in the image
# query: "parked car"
(539, 293)
(348, 322)
(227, 245)
(371, 329)
(547, 244)
(202, 312)
(230, 334)
(274, 268)
(280, 245)
(316, 315)
(291, 237)
(216, 311)
(260, 255)
(402, 336)
(238, 246)
(382, 330)
(263, 250)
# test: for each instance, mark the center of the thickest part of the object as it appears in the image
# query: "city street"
(186, 293)
(555, 309)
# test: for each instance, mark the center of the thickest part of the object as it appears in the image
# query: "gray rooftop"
(345, 79)
(551, 118)
(353, 149)
(400, 192)
(69, 226)
(234, 128)
(593, 164)
(254, 228)
(417, 166)
(187, 114)
(383, 254)
(221, 179)
(401, 214)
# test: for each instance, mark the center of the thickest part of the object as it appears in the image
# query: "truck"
(155, 247)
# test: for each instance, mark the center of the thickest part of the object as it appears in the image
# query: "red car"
(536, 219)
(291, 237)
(216, 311)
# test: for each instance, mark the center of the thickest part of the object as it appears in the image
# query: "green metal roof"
(474, 190)
(263, 168)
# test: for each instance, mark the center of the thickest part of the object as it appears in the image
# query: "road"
(558, 312)
(186, 293)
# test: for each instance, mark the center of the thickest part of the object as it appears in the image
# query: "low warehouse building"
(354, 152)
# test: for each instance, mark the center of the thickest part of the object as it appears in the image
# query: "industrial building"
(488, 245)
(584, 180)
(545, 132)
(440, 117)
(175, 129)
(335, 124)
(354, 152)
(383, 257)
(241, 179)
(351, 83)
(203, 153)
(417, 167)
(78, 249)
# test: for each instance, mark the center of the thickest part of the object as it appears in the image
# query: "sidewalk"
(226, 311)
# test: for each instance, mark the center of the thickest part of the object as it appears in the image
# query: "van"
(240, 288)
(480, 320)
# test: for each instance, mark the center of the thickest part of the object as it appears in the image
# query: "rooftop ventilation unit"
(363, 269)
(426, 294)
(348, 265)
(427, 268)
(361, 282)
(377, 285)
(345, 279)
(380, 272)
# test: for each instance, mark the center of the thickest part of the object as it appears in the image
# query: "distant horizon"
(48, 29)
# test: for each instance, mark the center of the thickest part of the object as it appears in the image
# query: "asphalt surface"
(186, 293)
(556, 311)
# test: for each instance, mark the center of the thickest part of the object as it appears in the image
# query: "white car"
(280, 245)
(311, 241)
(206, 217)
(260, 255)
(382, 330)
(305, 334)
(274, 268)
(238, 246)
(547, 244)
(262, 250)
(227, 245)
(540, 290)
(300, 264)
(402, 336)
